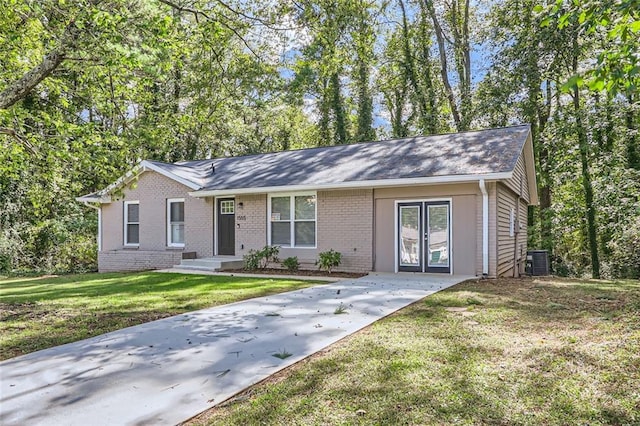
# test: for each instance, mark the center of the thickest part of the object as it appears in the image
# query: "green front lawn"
(510, 352)
(38, 313)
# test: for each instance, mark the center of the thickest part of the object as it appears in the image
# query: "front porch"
(211, 264)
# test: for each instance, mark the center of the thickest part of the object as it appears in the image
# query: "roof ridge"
(408, 138)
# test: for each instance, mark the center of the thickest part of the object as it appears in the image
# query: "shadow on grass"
(427, 365)
(38, 314)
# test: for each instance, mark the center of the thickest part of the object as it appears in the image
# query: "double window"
(175, 222)
(132, 223)
(292, 220)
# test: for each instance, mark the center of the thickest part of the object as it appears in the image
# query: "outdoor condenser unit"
(538, 262)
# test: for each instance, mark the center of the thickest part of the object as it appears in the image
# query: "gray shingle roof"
(468, 153)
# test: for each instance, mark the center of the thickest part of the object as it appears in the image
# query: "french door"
(424, 236)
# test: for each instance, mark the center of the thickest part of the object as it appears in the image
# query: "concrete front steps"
(211, 264)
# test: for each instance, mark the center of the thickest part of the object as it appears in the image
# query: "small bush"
(269, 254)
(328, 260)
(260, 259)
(251, 260)
(291, 263)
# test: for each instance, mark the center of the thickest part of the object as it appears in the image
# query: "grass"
(284, 354)
(341, 309)
(38, 313)
(516, 352)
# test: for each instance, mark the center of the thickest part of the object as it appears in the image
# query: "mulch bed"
(304, 273)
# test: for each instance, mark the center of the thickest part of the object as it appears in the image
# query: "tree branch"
(19, 89)
(12, 133)
(197, 12)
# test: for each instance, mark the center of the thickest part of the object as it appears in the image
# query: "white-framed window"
(292, 220)
(132, 223)
(227, 207)
(175, 222)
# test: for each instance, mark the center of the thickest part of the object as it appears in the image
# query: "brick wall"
(344, 223)
(152, 191)
(136, 260)
(251, 223)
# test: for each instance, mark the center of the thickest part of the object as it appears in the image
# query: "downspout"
(485, 228)
(99, 208)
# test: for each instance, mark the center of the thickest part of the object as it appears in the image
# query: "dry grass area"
(512, 352)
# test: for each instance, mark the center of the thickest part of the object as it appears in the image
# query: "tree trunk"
(583, 144)
(410, 67)
(428, 4)
(338, 110)
(430, 92)
(459, 22)
(19, 89)
(365, 104)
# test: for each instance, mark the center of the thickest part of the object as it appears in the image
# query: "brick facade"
(344, 223)
(152, 191)
(251, 223)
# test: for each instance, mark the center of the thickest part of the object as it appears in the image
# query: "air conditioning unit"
(537, 262)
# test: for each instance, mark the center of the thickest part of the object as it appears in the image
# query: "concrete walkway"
(169, 370)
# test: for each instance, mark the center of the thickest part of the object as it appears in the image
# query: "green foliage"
(260, 259)
(291, 264)
(341, 309)
(144, 80)
(625, 252)
(251, 260)
(328, 260)
(283, 354)
(617, 67)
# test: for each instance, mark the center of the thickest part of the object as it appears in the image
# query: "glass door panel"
(438, 235)
(410, 240)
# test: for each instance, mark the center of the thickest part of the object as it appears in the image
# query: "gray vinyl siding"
(519, 180)
(506, 200)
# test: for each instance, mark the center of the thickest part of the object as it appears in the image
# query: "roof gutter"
(381, 183)
(485, 228)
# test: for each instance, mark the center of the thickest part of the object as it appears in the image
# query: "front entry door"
(226, 226)
(424, 237)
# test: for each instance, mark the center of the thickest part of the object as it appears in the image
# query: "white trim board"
(104, 196)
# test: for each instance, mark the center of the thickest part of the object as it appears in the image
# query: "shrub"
(269, 254)
(291, 263)
(329, 259)
(251, 260)
(259, 259)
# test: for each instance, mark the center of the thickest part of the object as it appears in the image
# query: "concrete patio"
(169, 370)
